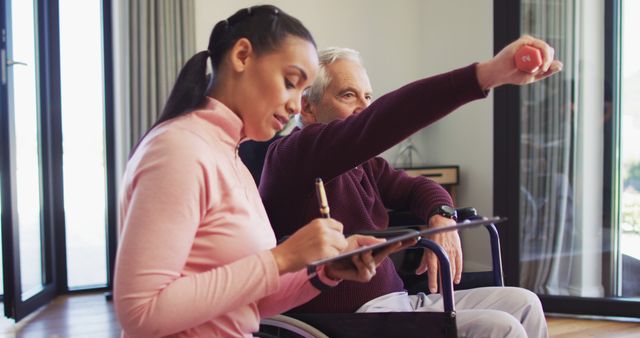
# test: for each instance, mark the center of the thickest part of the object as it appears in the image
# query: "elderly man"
(342, 134)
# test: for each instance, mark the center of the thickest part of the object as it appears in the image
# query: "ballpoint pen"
(324, 212)
(322, 198)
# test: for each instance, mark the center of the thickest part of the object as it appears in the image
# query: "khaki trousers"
(489, 312)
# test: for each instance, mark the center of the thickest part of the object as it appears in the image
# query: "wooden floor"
(92, 316)
(87, 316)
(563, 327)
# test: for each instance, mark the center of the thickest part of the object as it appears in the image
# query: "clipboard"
(407, 235)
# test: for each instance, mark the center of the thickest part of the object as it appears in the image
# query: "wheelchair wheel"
(286, 327)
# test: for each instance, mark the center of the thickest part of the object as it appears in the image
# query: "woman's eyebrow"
(302, 72)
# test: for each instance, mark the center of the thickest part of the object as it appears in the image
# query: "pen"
(322, 198)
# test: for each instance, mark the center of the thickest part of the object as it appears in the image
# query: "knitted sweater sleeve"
(398, 190)
(328, 150)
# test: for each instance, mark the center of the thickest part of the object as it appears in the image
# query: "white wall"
(401, 41)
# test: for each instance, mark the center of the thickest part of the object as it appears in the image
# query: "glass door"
(26, 182)
(567, 171)
(629, 193)
(557, 231)
(83, 148)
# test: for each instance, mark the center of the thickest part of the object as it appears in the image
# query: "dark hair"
(265, 26)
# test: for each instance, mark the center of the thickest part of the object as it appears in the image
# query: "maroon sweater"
(360, 187)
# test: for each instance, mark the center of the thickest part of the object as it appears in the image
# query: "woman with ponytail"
(197, 256)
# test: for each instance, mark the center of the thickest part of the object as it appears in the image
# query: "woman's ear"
(240, 54)
(307, 116)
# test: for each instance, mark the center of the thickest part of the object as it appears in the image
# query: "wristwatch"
(445, 211)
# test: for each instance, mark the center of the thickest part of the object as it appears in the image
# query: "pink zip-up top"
(193, 257)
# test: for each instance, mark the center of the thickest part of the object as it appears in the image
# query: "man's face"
(348, 93)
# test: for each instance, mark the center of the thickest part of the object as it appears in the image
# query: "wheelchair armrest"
(446, 282)
(470, 213)
(408, 261)
(496, 256)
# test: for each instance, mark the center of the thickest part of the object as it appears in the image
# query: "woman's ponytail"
(189, 90)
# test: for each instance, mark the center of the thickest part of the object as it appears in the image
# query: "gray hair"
(326, 57)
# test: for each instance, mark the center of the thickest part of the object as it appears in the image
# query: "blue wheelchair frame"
(388, 324)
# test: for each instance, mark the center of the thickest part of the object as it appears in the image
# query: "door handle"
(4, 63)
(12, 63)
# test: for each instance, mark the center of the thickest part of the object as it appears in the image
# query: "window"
(629, 196)
(565, 175)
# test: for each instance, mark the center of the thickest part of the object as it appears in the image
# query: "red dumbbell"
(528, 58)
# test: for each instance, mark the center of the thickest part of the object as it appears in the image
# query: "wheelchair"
(395, 324)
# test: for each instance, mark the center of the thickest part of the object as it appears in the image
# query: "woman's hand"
(501, 69)
(321, 238)
(361, 267)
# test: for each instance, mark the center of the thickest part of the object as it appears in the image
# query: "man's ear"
(240, 54)
(307, 114)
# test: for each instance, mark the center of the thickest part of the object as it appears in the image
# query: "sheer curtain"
(548, 233)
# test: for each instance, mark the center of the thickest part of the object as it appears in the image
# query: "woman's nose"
(293, 105)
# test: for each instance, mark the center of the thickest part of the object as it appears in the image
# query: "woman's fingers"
(321, 238)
